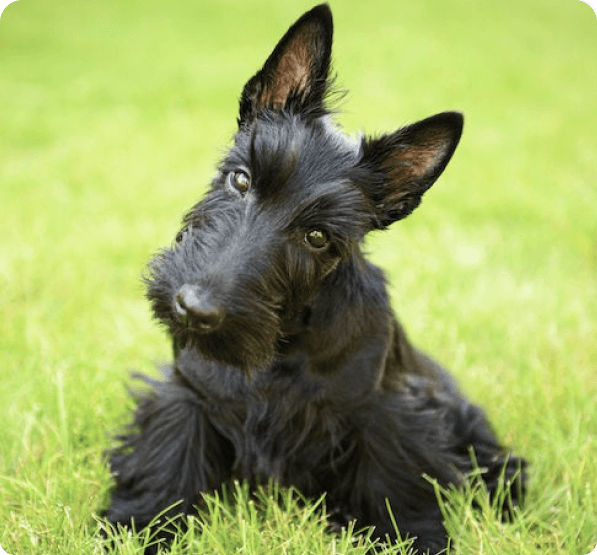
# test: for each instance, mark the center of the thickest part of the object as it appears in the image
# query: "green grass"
(112, 115)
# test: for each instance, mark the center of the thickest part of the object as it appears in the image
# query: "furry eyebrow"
(340, 210)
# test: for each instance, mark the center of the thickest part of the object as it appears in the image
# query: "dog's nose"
(194, 303)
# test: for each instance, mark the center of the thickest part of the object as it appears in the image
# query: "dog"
(289, 364)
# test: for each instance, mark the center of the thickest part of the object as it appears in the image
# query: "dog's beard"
(246, 339)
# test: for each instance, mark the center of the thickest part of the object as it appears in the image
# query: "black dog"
(289, 364)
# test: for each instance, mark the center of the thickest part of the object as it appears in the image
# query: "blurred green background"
(112, 116)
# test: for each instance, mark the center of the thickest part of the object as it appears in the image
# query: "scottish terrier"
(289, 364)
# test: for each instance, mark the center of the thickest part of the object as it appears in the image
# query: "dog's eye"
(240, 180)
(317, 239)
(182, 234)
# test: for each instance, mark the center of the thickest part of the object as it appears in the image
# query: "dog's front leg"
(402, 440)
(172, 454)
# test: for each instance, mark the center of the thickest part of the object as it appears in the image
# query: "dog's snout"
(194, 303)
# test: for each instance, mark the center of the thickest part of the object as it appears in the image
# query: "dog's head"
(289, 207)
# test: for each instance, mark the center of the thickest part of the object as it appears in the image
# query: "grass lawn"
(112, 116)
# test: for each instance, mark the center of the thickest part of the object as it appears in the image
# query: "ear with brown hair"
(406, 163)
(296, 72)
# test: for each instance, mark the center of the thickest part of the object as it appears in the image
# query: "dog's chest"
(289, 441)
(278, 426)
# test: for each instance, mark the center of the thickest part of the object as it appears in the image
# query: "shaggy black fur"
(289, 363)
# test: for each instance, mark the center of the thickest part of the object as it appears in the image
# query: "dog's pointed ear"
(404, 164)
(296, 72)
